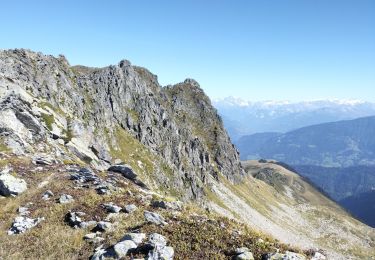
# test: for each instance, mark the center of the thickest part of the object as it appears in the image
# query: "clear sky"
(257, 50)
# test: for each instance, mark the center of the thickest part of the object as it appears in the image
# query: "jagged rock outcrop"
(48, 106)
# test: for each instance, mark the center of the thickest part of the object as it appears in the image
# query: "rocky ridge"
(48, 106)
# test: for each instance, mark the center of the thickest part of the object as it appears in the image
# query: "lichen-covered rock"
(10, 185)
(154, 218)
(21, 224)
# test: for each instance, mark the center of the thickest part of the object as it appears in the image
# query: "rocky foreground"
(56, 210)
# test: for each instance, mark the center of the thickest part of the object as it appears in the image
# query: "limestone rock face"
(45, 104)
(10, 185)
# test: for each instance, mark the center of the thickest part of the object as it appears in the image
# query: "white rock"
(10, 185)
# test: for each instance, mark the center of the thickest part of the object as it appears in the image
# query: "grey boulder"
(112, 208)
(130, 208)
(10, 185)
(122, 248)
(125, 171)
(154, 218)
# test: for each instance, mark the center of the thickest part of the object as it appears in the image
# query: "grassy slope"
(296, 214)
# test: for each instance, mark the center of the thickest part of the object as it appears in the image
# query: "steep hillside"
(282, 204)
(101, 158)
(337, 144)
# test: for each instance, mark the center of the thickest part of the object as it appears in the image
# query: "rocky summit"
(104, 163)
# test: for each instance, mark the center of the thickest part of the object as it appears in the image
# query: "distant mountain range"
(242, 117)
(337, 144)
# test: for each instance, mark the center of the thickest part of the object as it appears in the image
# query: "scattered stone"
(160, 250)
(21, 224)
(43, 160)
(112, 208)
(157, 240)
(103, 226)
(287, 256)
(47, 195)
(173, 205)
(154, 218)
(65, 198)
(87, 224)
(137, 238)
(105, 188)
(130, 208)
(99, 253)
(122, 248)
(74, 219)
(243, 253)
(84, 175)
(10, 185)
(125, 171)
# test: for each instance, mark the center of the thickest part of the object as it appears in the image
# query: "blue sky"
(257, 50)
